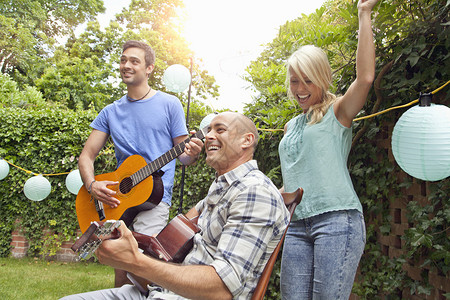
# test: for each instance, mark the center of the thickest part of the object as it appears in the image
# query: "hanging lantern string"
(55, 174)
(378, 113)
(400, 106)
(260, 129)
(20, 168)
(31, 172)
(270, 130)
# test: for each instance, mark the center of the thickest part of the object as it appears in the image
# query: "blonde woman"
(326, 239)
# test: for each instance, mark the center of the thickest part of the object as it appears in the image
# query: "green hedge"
(49, 141)
(41, 141)
(39, 137)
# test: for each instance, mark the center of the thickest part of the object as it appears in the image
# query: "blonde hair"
(313, 62)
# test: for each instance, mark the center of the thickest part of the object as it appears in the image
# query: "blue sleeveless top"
(314, 157)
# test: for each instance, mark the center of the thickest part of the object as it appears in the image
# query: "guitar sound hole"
(126, 185)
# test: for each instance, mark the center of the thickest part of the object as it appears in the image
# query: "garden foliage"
(412, 41)
(46, 112)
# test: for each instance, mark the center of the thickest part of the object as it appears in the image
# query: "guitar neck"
(164, 159)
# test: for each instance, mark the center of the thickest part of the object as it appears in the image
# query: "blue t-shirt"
(146, 127)
(314, 157)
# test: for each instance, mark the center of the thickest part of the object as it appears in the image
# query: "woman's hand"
(366, 5)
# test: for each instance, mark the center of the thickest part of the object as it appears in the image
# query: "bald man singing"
(242, 219)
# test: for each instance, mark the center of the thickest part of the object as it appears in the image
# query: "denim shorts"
(321, 255)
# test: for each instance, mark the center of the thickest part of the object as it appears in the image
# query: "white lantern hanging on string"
(207, 120)
(177, 78)
(37, 188)
(421, 140)
(74, 182)
(4, 168)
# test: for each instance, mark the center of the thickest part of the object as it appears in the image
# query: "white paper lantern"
(207, 120)
(74, 182)
(177, 78)
(4, 168)
(421, 142)
(37, 188)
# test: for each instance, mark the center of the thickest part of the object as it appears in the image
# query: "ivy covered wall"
(407, 252)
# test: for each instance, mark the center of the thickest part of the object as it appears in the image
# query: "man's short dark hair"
(149, 52)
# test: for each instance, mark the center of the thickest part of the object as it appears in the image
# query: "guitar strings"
(155, 165)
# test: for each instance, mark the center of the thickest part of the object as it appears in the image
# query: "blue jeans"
(321, 255)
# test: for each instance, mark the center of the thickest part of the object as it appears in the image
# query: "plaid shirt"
(242, 219)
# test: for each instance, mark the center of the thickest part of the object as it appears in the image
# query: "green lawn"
(35, 279)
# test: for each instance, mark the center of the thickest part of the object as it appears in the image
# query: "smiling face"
(303, 90)
(230, 142)
(308, 75)
(133, 68)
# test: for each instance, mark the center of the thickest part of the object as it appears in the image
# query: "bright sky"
(228, 35)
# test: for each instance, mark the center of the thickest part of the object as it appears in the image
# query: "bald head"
(243, 125)
(230, 142)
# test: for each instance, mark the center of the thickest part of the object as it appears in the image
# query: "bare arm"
(281, 190)
(354, 99)
(190, 281)
(97, 139)
(192, 213)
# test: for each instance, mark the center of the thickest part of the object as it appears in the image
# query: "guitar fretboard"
(164, 159)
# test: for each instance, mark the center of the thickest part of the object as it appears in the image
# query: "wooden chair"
(291, 200)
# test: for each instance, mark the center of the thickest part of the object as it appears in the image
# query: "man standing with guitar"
(242, 219)
(144, 122)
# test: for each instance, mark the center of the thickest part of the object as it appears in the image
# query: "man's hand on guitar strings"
(101, 192)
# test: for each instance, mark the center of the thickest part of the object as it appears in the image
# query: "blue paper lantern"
(4, 168)
(177, 78)
(207, 120)
(421, 142)
(37, 188)
(74, 182)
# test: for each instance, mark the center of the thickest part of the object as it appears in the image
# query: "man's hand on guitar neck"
(101, 191)
(191, 151)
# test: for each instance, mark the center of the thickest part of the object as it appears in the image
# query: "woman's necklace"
(133, 100)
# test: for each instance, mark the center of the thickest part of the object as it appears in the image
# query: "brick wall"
(19, 243)
(20, 246)
(393, 245)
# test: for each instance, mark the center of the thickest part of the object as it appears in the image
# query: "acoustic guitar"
(139, 188)
(172, 244)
